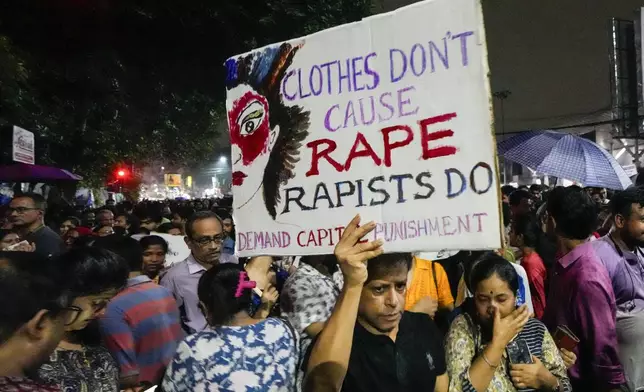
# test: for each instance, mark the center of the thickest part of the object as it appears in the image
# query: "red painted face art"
(249, 126)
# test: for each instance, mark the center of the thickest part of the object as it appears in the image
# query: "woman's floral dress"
(258, 357)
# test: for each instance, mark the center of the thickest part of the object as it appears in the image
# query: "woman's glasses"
(71, 314)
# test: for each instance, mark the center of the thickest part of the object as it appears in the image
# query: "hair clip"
(244, 284)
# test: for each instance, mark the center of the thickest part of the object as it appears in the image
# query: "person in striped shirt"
(141, 327)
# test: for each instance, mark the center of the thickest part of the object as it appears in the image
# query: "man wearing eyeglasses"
(27, 214)
(204, 237)
(33, 314)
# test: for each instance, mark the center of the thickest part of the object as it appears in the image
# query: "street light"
(222, 159)
(121, 175)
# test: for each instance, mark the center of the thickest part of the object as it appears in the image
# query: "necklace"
(81, 351)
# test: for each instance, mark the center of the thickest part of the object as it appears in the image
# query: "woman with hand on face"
(9, 242)
(94, 277)
(265, 295)
(482, 343)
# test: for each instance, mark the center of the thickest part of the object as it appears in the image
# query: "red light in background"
(121, 173)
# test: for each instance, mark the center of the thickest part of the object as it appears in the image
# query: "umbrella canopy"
(20, 172)
(565, 156)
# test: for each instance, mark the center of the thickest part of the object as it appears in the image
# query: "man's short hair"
(223, 214)
(199, 216)
(131, 220)
(507, 214)
(38, 200)
(622, 202)
(75, 221)
(128, 248)
(518, 195)
(380, 266)
(28, 284)
(152, 216)
(93, 270)
(184, 212)
(507, 190)
(574, 212)
(104, 211)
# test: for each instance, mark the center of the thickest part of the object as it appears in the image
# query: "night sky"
(552, 55)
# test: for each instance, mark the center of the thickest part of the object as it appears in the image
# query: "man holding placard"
(394, 122)
(370, 343)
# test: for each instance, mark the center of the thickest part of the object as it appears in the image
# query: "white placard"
(177, 248)
(23, 146)
(631, 170)
(389, 117)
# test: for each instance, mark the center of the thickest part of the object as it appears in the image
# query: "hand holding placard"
(352, 254)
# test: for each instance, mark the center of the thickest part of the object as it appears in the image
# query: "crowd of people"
(90, 303)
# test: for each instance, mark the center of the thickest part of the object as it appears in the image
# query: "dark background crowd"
(90, 302)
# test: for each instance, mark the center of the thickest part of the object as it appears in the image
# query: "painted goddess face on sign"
(265, 134)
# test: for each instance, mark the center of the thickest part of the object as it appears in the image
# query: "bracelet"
(488, 362)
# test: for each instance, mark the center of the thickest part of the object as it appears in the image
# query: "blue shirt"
(228, 246)
(626, 271)
(252, 358)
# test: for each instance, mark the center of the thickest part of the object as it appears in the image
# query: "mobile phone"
(564, 338)
(519, 352)
(14, 246)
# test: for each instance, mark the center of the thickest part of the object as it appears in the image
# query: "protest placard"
(23, 146)
(389, 117)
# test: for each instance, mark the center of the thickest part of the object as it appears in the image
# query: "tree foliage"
(103, 82)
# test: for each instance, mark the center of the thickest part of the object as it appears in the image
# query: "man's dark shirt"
(48, 242)
(412, 363)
